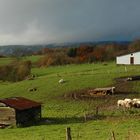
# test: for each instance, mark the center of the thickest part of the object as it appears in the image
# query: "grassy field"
(7, 60)
(63, 112)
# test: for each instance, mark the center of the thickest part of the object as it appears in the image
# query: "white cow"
(126, 103)
(113, 90)
(136, 99)
(136, 103)
(121, 103)
(61, 81)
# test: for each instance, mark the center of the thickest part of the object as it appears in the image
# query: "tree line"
(86, 53)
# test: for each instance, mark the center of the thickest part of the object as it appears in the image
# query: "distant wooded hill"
(21, 50)
(71, 53)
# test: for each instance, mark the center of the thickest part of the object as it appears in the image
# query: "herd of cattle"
(129, 103)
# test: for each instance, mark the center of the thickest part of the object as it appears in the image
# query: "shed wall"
(7, 116)
(28, 116)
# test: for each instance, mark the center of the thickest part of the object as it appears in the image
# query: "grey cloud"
(46, 21)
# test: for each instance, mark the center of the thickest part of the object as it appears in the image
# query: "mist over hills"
(12, 50)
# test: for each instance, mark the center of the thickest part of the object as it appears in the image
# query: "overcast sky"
(58, 21)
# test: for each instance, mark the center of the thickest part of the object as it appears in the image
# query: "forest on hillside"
(52, 56)
(86, 53)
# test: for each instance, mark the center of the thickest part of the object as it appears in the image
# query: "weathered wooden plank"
(7, 116)
(103, 89)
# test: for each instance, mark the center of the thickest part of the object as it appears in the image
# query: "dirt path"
(123, 86)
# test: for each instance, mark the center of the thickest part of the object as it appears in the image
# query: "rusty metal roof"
(20, 103)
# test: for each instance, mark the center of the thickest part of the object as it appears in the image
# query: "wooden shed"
(19, 110)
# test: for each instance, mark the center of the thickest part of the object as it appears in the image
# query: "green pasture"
(33, 58)
(60, 112)
(7, 60)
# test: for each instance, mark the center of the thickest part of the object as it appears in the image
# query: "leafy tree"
(134, 46)
(72, 52)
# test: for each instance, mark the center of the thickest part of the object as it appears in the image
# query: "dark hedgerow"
(16, 71)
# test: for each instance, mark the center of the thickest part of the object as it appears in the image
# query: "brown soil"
(122, 87)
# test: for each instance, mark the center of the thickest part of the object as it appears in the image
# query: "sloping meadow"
(59, 112)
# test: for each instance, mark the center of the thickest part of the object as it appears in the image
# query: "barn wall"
(123, 59)
(126, 59)
(7, 116)
(137, 58)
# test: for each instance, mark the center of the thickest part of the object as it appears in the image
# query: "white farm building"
(129, 59)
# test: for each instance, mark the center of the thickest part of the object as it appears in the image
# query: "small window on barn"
(131, 54)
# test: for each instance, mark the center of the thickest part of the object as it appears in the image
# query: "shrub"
(16, 71)
(55, 59)
(72, 52)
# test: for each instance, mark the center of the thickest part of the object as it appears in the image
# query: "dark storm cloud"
(45, 21)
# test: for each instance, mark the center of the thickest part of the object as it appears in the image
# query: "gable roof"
(128, 54)
(20, 103)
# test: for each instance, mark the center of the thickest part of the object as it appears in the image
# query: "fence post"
(97, 111)
(85, 117)
(113, 135)
(68, 133)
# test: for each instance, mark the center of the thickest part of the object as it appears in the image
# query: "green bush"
(55, 59)
(16, 71)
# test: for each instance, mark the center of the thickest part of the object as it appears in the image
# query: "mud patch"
(85, 94)
(122, 86)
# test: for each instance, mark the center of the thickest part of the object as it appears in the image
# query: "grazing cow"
(127, 100)
(135, 99)
(121, 103)
(136, 103)
(61, 81)
(113, 90)
(32, 89)
(126, 103)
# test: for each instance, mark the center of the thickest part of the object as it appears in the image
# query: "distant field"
(33, 58)
(63, 112)
(7, 60)
(4, 61)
